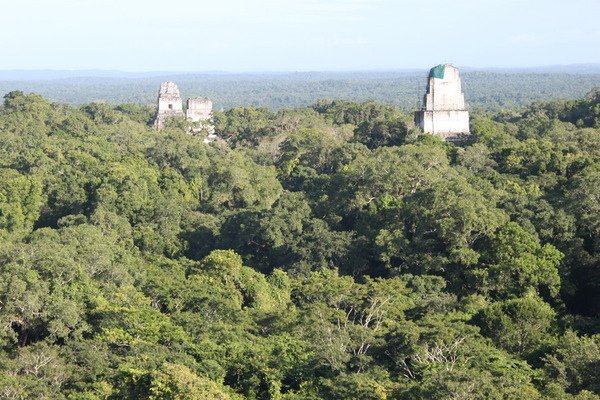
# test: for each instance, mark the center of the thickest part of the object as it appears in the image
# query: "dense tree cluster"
(326, 252)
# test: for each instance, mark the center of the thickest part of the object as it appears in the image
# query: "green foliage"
(515, 263)
(323, 252)
(237, 182)
(176, 382)
(286, 236)
(574, 363)
(20, 202)
(382, 133)
(243, 125)
(520, 326)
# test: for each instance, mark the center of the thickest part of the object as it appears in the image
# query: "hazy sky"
(295, 35)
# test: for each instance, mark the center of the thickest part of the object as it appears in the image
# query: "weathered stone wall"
(199, 109)
(443, 112)
(445, 94)
(170, 104)
(448, 124)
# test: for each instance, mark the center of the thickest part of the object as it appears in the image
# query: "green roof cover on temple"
(437, 71)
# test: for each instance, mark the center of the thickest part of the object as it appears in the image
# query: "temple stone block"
(170, 104)
(443, 112)
(199, 111)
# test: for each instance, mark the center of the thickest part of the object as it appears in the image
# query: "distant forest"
(484, 91)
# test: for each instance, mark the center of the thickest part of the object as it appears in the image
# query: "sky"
(295, 35)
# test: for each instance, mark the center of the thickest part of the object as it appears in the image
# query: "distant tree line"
(484, 90)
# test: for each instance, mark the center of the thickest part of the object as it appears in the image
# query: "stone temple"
(199, 110)
(169, 104)
(443, 112)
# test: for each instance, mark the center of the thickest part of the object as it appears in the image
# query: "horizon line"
(292, 71)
